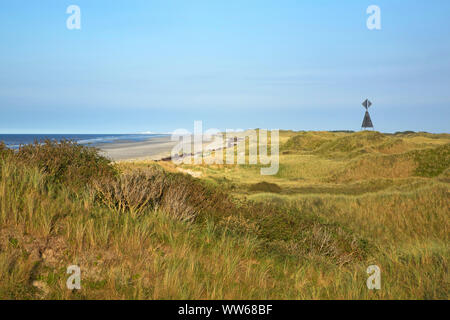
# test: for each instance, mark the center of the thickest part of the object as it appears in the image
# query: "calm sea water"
(13, 141)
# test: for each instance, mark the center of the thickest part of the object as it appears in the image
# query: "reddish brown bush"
(178, 195)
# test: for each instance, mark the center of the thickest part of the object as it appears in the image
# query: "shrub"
(265, 187)
(66, 162)
(132, 191)
(178, 195)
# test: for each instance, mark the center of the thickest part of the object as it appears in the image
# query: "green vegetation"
(432, 162)
(340, 202)
(306, 141)
(265, 187)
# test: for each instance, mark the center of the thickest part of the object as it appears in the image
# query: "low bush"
(265, 187)
(66, 162)
(178, 195)
(132, 191)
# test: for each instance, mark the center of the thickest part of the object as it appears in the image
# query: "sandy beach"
(155, 149)
(152, 149)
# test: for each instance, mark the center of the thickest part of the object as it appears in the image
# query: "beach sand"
(155, 149)
(152, 149)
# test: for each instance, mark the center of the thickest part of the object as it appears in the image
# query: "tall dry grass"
(146, 233)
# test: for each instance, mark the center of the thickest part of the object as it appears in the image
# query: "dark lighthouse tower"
(367, 122)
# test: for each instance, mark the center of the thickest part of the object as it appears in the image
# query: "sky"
(144, 65)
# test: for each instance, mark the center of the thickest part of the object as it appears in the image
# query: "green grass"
(144, 231)
(432, 162)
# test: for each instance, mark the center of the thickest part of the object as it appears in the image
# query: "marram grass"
(340, 203)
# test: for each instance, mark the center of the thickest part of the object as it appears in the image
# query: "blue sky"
(159, 65)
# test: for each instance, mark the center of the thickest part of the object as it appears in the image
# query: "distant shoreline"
(14, 141)
(155, 148)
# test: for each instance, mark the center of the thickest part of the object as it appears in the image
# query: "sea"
(14, 141)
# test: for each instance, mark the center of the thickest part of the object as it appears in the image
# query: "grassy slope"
(389, 189)
(332, 216)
